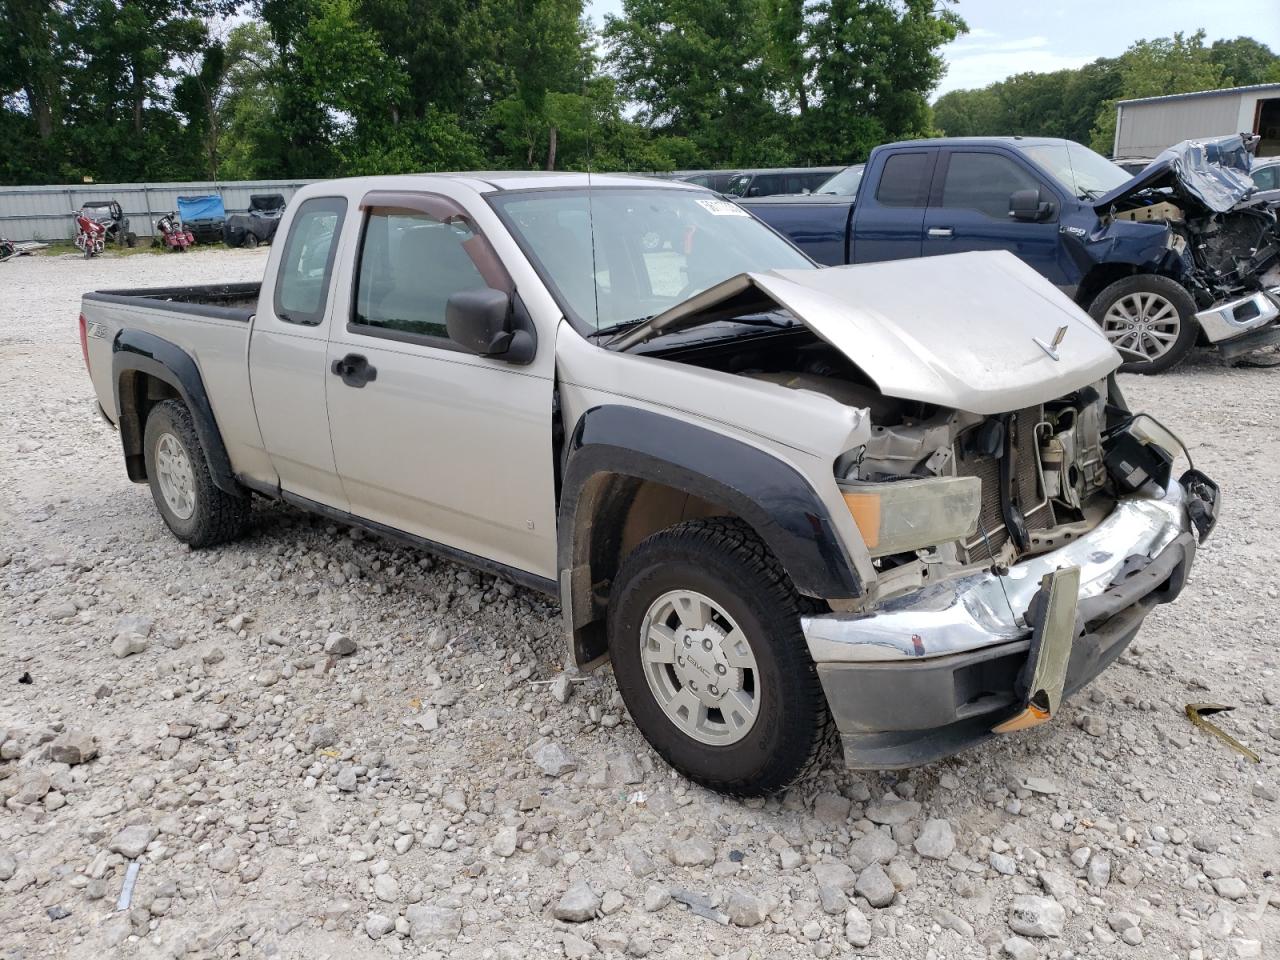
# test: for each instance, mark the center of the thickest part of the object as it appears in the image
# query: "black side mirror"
(753, 192)
(1027, 205)
(482, 322)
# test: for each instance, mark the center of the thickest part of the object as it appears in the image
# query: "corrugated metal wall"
(44, 213)
(1147, 128)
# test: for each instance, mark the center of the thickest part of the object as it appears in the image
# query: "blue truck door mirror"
(1027, 205)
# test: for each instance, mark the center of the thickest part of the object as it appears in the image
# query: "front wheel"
(704, 635)
(1150, 319)
(194, 508)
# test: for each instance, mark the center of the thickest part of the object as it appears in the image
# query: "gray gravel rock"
(875, 847)
(892, 811)
(857, 928)
(1036, 917)
(578, 904)
(339, 645)
(745, 910)
(554, 760)
(875, 886)
(73, 747)
(132, 841)
(128, 644)
(691, 852)
(378, 926)
(936, 841)
(430, 923)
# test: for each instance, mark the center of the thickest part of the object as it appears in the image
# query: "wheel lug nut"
(713, 690)
(720, 669)
(706, 644)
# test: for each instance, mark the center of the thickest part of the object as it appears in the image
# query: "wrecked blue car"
(1177, 255)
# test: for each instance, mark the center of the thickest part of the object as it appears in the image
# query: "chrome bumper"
(980, 610)
(1233, 318)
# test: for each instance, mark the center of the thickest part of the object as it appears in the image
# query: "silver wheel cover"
(173, 472)
(700, 668)
(1143, 325)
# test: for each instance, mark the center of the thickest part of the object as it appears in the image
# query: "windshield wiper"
(617, 327)
(1091, 193)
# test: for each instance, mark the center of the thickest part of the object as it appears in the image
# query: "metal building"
(1145, 127)
(45, 213)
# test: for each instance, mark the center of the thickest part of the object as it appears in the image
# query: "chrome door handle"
(940, 231)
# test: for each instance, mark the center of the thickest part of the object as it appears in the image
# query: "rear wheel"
(704, 635)
(250, 241)
(1150, 319)
(130, 240)
(194, 508)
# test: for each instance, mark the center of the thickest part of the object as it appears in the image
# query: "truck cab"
(1176, 255)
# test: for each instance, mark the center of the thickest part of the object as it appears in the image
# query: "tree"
(1150, 68)
(698, 71)
(875, 62)
(1244, 61)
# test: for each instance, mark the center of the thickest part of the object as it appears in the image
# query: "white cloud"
(971, 64)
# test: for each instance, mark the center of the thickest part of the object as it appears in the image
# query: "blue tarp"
(191, 209)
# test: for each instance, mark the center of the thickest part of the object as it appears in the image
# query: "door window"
(410, 265)
(905, 180)
(1265, 178)
(302, 285)
(984, 182)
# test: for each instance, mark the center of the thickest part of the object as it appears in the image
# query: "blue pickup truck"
(1175, 255)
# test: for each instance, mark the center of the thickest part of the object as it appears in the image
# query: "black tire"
(723, 559)
(217, 517)
(130, 240)
(1170, 291)
(250, 241)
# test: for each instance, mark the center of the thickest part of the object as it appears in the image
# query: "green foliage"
(1151, 68)
(1245, 61)
(169, 89)
(1081, 104)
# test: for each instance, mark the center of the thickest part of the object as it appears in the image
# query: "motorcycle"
(171, 233)
(91, 236)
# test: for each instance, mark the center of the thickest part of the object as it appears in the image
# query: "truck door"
(287, 355)
(969, 210)
(888, 221)
(429, 438)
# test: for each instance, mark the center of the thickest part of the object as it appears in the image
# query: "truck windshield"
(845, 183)
(1086, 174)
(651, 248)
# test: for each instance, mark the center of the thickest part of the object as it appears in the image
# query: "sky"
(1014, 36)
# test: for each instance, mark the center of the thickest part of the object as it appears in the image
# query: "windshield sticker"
(721, 208)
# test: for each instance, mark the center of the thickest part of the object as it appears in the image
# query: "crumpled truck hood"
(969, 331)
(1214, 172)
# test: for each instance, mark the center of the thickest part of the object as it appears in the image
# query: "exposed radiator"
(1029, 490)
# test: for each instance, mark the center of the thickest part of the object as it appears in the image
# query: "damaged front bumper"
(934, 672)
(1240, 317)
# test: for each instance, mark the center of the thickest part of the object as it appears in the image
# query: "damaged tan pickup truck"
(904, 500)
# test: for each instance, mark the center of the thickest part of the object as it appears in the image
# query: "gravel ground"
(433, 794)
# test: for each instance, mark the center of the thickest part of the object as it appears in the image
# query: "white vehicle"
(902, 501)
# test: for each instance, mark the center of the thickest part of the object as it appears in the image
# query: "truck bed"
(222, 301)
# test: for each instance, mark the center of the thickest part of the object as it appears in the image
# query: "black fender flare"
(768, 494)
(137, 350)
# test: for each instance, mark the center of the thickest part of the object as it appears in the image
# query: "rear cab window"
(306, 265)
(904, 181)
